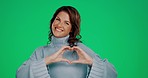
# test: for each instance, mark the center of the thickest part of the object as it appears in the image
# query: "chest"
(65, 70)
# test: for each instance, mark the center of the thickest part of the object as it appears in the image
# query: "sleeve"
(102, 69)
(35, 67)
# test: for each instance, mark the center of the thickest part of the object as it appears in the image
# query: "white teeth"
(59, 30)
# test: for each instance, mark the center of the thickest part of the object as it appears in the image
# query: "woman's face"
(61, 25)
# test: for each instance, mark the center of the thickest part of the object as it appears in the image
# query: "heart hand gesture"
(84, 58)
(58, 56)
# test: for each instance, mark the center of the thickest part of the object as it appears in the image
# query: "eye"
(57, 19)
(67, 23)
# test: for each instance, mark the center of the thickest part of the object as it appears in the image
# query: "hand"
(58, 56)
(84, 58)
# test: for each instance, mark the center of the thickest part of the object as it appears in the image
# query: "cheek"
(69, 29)
(53, 24)
(52, 27)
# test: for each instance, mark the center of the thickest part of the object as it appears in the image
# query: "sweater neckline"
(59, 41)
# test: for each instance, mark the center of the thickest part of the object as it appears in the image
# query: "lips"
(58, 29)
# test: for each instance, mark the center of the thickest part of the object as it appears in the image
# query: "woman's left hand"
(84, 58)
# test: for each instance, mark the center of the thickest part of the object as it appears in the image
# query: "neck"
(59, 41)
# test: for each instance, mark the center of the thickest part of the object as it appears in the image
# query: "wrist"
(91, 62)
(47, 60)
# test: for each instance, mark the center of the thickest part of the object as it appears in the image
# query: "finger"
(80, 52)
(70, 48)
(62, 50)
(65, 60)
(77, 48)
(65, 48)
(76, 61)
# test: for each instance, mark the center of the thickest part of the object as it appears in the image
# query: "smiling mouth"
(58, 29)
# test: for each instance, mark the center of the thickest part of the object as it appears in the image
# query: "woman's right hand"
(58, 56)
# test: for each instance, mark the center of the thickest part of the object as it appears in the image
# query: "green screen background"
(114, 29)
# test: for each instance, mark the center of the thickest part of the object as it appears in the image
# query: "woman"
(65, 56)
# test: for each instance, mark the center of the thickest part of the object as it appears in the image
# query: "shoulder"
(84, 47)
(87, 49)
(42, 48)
(39, 51)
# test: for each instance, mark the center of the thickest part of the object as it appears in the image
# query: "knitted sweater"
(35, 66)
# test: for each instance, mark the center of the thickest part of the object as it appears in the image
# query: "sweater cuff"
(39, 69)
(97, 69)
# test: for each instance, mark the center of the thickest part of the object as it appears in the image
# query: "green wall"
(114, 29)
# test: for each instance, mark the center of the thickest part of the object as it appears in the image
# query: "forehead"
(63, 16)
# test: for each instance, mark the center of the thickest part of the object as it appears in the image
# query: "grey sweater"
(35, 66)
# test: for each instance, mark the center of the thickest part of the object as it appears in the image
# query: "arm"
(99, 68)
(34, 67)
(102, 69)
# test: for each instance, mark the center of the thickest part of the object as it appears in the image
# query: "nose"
(60, 24)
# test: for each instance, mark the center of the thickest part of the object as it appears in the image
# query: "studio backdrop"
(114, 29)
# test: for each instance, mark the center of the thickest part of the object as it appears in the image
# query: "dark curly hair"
(75, 20)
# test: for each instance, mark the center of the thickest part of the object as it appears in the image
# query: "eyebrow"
(60, 18)
(67, 21)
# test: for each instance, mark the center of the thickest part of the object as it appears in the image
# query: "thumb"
(65, 60)
(75, 61)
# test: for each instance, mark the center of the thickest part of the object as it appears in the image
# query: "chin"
(59, 36)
